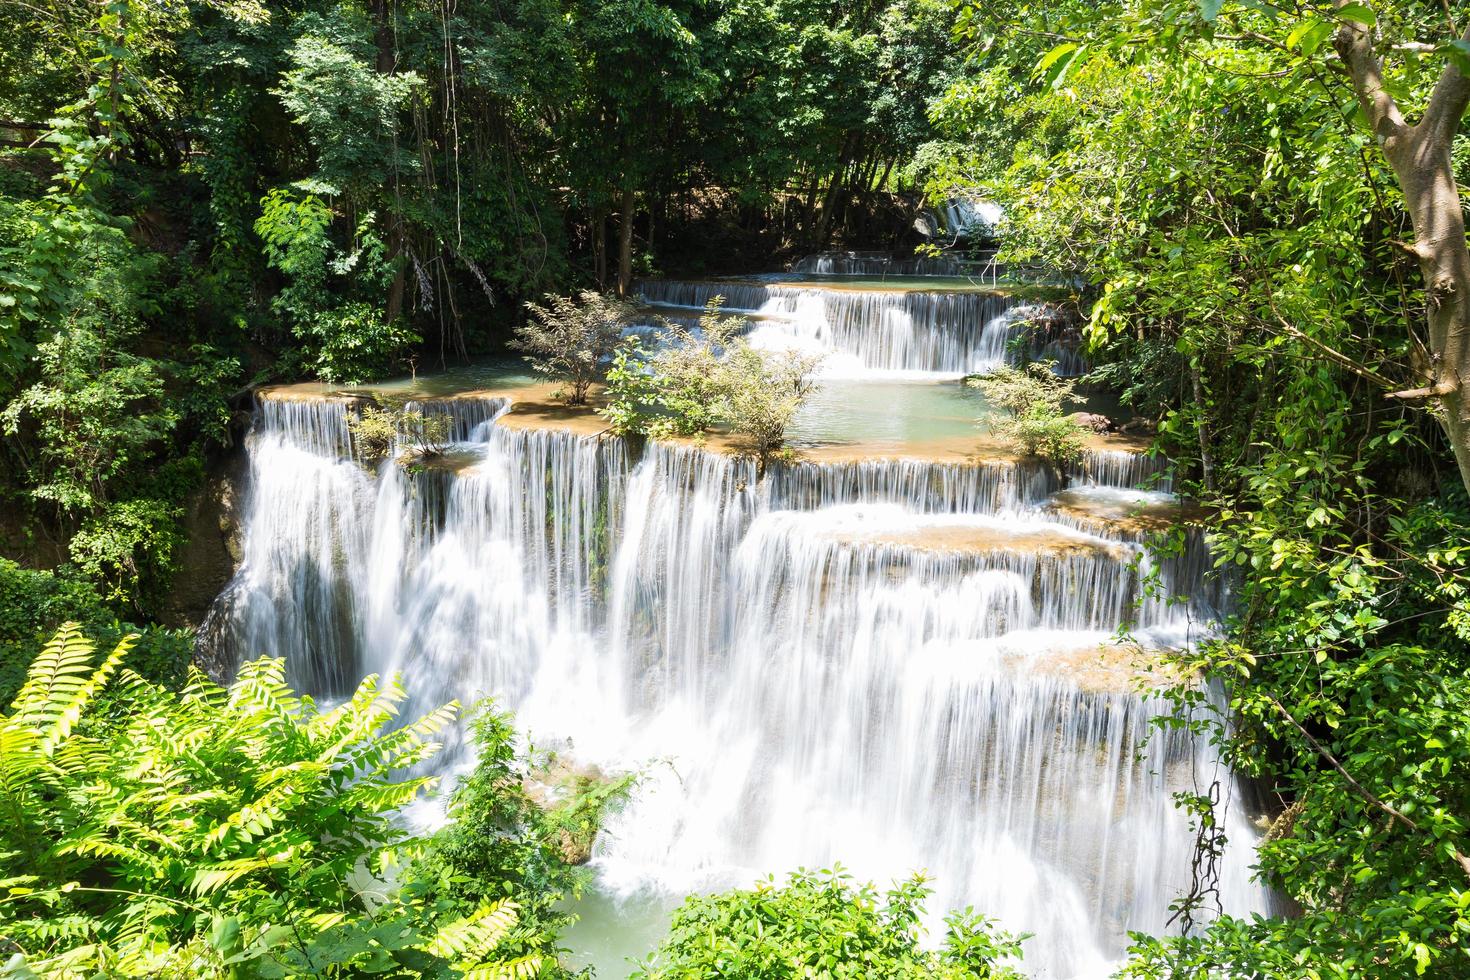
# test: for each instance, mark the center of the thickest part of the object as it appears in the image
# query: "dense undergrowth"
(194, 830)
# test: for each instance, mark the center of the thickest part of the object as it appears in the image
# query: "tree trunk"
(398, 288)
(1206, 460)
(1420, 158)
(383, 36)
(382, 15)
(1424, 171)
(599, 247)
(625, 244)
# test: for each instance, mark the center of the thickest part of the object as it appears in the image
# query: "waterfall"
(897, 664)
(981, 267)
(939, 332)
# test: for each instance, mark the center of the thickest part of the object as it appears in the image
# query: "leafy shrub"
(33, 604)
(1035, 420)
(354, 342)
(696, 381)
(217, 832)
(95, 411)
(821, 925)
(378, 428)
(763, 393)
(571, 337)
(344, 339)
(500, 843)
(129, 548)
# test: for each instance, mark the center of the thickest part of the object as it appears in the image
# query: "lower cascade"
(889, 663)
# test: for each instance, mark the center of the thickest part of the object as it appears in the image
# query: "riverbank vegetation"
(1234, 179)
(824, 924)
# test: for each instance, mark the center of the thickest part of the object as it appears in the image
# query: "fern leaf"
(475, 935)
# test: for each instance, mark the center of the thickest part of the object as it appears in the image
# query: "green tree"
(1249, 292)
(1033, 400)
(694, 382)
(570, 337)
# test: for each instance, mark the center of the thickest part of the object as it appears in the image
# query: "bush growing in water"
(822, 925)
(571, 337)
(1034, 401)
(696, 381)
(377, 428)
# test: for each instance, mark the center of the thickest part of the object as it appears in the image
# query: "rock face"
(212, 525)
(554, 787)
(1092, 422)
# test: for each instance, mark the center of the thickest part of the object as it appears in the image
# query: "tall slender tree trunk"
(382, 15)
(599, 247)
(387, 59)
(625, 243)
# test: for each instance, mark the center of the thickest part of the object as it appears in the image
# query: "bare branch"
(1438, 390)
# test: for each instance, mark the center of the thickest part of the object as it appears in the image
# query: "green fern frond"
(212, 878)
(520, 968)
(61, 684)
(475, 935)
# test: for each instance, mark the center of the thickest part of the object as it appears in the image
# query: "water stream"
(888, 660)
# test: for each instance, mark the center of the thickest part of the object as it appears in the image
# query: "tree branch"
(1448, 100)
(1437, 390)
(1356, 786)
(1331, 353)
(1354, 43)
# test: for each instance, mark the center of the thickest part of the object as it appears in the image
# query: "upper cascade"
(940, 328)
(980, 268)
(896, 663)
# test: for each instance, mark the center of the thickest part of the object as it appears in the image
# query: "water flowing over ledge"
(898, 664)
(866, 329)
(982, 268)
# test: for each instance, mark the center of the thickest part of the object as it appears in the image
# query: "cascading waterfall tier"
(895, 664)
(943, 332)
(981, 266)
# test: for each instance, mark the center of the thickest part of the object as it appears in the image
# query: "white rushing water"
(873, 662)
(868, 331)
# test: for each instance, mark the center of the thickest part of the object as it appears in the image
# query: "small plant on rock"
(569, 338)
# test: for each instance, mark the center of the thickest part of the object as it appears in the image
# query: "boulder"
(1092, 422)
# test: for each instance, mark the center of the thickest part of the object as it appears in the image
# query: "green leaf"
(1457, 53)
(1210, 9)
(1055, 54)
(1359, 13)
